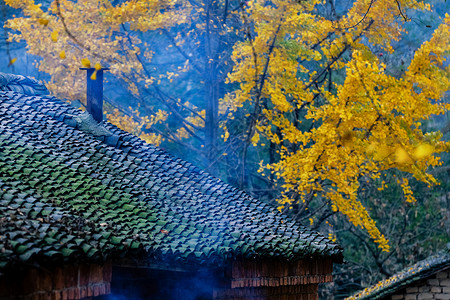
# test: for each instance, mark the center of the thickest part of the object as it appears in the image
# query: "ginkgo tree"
(147, 45)
(301, 80)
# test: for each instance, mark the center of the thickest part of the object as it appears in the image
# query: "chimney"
(94, 93)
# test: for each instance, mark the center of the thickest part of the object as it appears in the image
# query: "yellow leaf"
(94, 75)
(54, 36)
(98, 66)
(423, 150)
(380, 152)
(347, 138)
(62, 54)
(255, 139)
(12, 61)
(401, 156)
(226, 136)
(43, 21)
(85, 63)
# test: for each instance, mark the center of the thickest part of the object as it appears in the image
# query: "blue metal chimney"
(94, 93)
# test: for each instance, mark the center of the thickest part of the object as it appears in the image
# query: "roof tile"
(92, 199)
(420, 270)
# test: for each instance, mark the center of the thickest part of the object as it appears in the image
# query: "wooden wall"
(274, 273)
(275, 280)
(241, 280)
(59, 282)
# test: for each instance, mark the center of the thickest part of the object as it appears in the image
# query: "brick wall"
(63, 282)
(435, 287)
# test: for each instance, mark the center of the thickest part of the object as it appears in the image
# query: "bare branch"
(406, 18)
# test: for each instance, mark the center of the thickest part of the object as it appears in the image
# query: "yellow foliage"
(137, 124)
(358, 128)
(402, 157)
(423, 150)
(332, 237)
(407, 192)
(368, 126)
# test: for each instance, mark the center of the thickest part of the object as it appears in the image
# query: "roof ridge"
(421, 269)
(23, 84)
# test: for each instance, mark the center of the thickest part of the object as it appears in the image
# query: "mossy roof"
(67, 194)
(421, 270)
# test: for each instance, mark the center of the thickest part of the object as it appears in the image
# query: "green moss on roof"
(66, 194)
(407, 276)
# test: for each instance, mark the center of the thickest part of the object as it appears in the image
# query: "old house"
(425, 280)
(87, 210)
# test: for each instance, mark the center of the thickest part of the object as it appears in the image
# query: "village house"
(88, 210)
(428, 279)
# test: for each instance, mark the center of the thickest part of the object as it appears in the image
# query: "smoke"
(143, 283)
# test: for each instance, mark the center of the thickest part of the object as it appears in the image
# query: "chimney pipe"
(94, 93)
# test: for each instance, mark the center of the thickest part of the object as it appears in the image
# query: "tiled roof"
(420, 270)
(72, 190)
(21, 84)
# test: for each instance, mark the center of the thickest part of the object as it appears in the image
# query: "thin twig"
(401, 12)
(335, 59)
(364, 16)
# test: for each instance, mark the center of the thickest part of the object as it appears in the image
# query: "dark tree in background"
(233, 86)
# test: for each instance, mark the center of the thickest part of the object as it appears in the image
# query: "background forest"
(325, 109)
